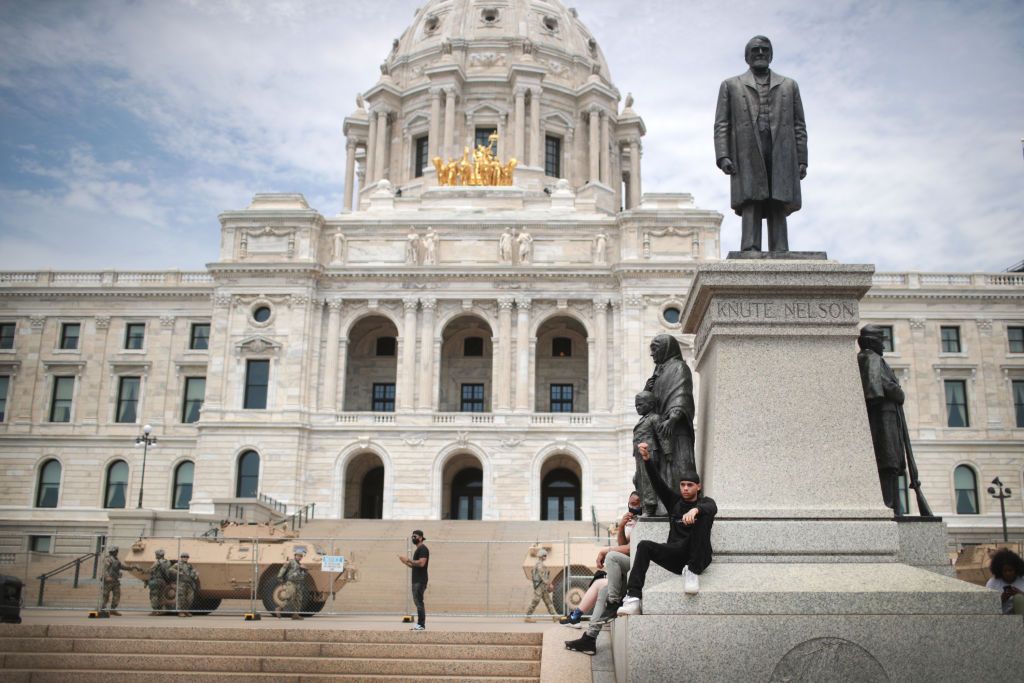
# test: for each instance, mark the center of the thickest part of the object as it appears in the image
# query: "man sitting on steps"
(688, 549)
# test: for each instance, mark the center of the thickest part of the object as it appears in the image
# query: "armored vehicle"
(571, 574)
(240, 562)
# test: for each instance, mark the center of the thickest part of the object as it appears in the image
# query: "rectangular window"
(950, 339)
(383, 398)
(257, 377)
(39, 544)
(5, 384)
(553, 156)
(60, 402)
(69, 335)
(195, 391)
(1018, 401)
(956, 403)
(472, 398)
(386, 346)
(199, 340)
(561, 398)
(134, 335)
(1014, 334)
(422, 152)
(7, 335)
(887, 344)
(473, 347)
(128, 399)
(561, 347)
(483, 137)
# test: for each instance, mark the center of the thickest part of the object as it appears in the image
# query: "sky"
(127, 126)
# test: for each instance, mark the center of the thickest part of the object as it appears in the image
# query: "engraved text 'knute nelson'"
(787, 310)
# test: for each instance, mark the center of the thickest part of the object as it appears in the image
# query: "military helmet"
(185, 556)
(542, 553)
(159, 553)
(299, 552)
(112, 550)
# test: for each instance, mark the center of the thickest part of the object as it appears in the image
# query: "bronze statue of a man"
(672, 386)
(761, 143)
(889, 435)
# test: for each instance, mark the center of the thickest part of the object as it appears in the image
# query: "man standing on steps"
(295, 575)
(187, 579)
(418, 563)
(159, 577)
(688, 549)
(111, 579)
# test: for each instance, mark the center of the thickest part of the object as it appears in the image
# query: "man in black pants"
(419, 562)
(688, 549)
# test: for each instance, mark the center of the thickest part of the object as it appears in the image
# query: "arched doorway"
(561, 367)
(372, 365)
(364, 487)
(463, 488)
(466, 361)
(561, 494)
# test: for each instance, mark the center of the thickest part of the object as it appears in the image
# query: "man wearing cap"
(418, 564)
(294, 575)
(159, 577)
(688, 549)
(111, 579)
(187, 578)
(542, 587)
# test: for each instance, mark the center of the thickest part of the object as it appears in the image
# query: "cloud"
(131, 118)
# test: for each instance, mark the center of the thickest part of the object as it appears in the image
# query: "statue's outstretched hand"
(728, 168)
(645, 452)
(665, 429)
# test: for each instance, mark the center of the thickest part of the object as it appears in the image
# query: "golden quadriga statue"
(482, 167)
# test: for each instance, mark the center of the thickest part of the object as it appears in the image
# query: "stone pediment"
(257, 344)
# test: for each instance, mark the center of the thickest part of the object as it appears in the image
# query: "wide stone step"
(110, 676)
(248, 664)
(361, 650)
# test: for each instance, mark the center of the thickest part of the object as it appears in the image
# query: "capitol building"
(430, 351)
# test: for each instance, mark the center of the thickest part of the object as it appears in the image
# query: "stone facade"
(606, 269)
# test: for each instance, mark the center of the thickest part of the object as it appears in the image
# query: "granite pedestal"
(812, 579)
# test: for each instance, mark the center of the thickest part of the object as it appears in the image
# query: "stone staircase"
(113, 653)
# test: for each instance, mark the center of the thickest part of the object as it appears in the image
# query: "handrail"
(276, 505)
(593, 516)
(76, 563)
(299, 517)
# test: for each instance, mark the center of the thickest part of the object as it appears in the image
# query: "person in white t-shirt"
(1007, 569)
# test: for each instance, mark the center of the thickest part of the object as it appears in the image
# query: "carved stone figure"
(628, 103)
(338, 254)
(645, 431)
(761, 143)
(505, 246)
(672, 386)
(889, 435)
(430, 248)
(601, 249)
(525, 247)
(412, 248)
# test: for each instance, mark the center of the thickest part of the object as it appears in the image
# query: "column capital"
(350, 144)
(410, 304)
(520, 90)
(523, 304)
(536, 90)
(505, 303)
(428, 304)
(600, 303)
(451, 91)
(334, 303)
(435, 91)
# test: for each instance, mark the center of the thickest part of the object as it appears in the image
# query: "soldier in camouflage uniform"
(187, 579)
(111, 579)
(542, 587)
(159, 577)
(294, 575)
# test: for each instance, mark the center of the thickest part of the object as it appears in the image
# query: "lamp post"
(1002, 496)
(144, 440)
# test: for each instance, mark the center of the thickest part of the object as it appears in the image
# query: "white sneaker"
(417, 627)
(691, 584)
(630, 605)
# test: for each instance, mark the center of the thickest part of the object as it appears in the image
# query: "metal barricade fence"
(241, 575)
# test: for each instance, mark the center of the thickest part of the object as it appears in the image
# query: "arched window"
(468, 494)
(183, 476)
(560, 496)
(248, 481)
(48, 490)
(116, 490)
(965, 483)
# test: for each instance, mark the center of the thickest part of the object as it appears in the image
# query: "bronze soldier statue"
(889, 434)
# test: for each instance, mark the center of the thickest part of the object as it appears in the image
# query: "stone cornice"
(917, 295)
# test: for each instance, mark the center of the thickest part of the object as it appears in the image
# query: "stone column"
(435, 122)
(569, 158)
(407, 388)
(342, 356)
(371, 151)
(330, 397)
(503, 387)
(618, 338)
(350, 173)
(426, 401)
(449, 123)
(599, 397)
(520, 125)
(535, 141)
(606, 157)
(634, 173)
(523, 355)
(595, 142)
(381, 147)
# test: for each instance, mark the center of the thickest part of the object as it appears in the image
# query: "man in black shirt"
(688, 549)
(419, 562)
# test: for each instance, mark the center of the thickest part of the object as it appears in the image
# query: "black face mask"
(415, 540)
(636, 511)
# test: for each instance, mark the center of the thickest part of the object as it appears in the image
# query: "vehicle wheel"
(203, 606)
(578, 584)
(273, 594)
(315, 606)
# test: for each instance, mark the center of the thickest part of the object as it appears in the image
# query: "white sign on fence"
(332, 563)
